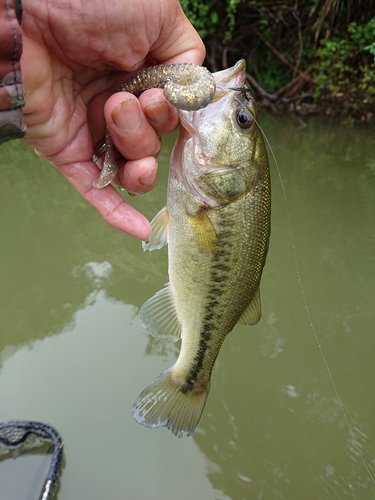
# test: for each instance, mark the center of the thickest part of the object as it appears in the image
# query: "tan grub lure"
(187, 86)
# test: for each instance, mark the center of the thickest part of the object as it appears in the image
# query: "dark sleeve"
(12, 125)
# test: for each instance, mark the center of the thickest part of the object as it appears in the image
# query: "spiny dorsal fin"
(203, 231)
(159, 235)
(158, 315)
(253, 312)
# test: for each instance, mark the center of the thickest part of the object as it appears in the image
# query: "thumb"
(178, 40)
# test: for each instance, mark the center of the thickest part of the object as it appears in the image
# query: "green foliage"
(364, 36)
(346, 58)
(295, 49)
(231, 15)
(202, 15)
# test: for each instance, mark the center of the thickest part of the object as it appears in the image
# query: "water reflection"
(70, 289)
(289, 428)
(53, 246)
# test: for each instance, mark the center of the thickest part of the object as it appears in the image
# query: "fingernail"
(127, 116)
(150, 178)
(158, 112)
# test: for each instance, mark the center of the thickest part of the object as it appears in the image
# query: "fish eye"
(244, 118)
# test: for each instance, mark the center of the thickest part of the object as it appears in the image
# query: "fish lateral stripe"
(220, 268)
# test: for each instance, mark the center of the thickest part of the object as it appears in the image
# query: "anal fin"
(159, 317)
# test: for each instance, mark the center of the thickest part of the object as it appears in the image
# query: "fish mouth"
(192, 152)
(229, 79)
(228, 82)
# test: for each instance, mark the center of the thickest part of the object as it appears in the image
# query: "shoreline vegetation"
(303, 56)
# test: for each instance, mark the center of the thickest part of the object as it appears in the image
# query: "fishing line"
(351, 433)
(307, 309)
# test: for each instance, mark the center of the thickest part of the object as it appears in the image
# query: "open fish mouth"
(229, 82)
(206, 130)
(230, 79)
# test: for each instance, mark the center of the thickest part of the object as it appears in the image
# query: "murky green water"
(73, 352)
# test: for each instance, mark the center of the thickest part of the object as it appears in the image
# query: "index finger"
(107, 201)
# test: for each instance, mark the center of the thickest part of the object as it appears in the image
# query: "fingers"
(159, 112)
(139, 176)
(107, 201)
(132, 134)
(75, 164)
(136, 126)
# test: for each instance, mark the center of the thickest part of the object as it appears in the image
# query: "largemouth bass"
(217, 226)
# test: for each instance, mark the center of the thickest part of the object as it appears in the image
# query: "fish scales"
(217, 226)
(228, 289)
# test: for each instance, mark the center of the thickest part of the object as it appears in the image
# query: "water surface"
(74, 354)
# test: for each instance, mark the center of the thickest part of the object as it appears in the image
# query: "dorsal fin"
(159, 235)
(158, 315)
(253, 312)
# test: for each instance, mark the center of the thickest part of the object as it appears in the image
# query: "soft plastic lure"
(186, 86)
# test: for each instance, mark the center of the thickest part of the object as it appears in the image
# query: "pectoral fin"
(159, 235)
(158, 315)
(252, 314)
(203, 231)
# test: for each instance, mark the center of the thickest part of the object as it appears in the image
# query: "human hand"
(75, 56)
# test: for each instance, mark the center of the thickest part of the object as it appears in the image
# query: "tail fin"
(163, 404)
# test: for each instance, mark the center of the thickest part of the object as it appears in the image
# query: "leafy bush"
(202, 15)
(345, 60)
(295, 49)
